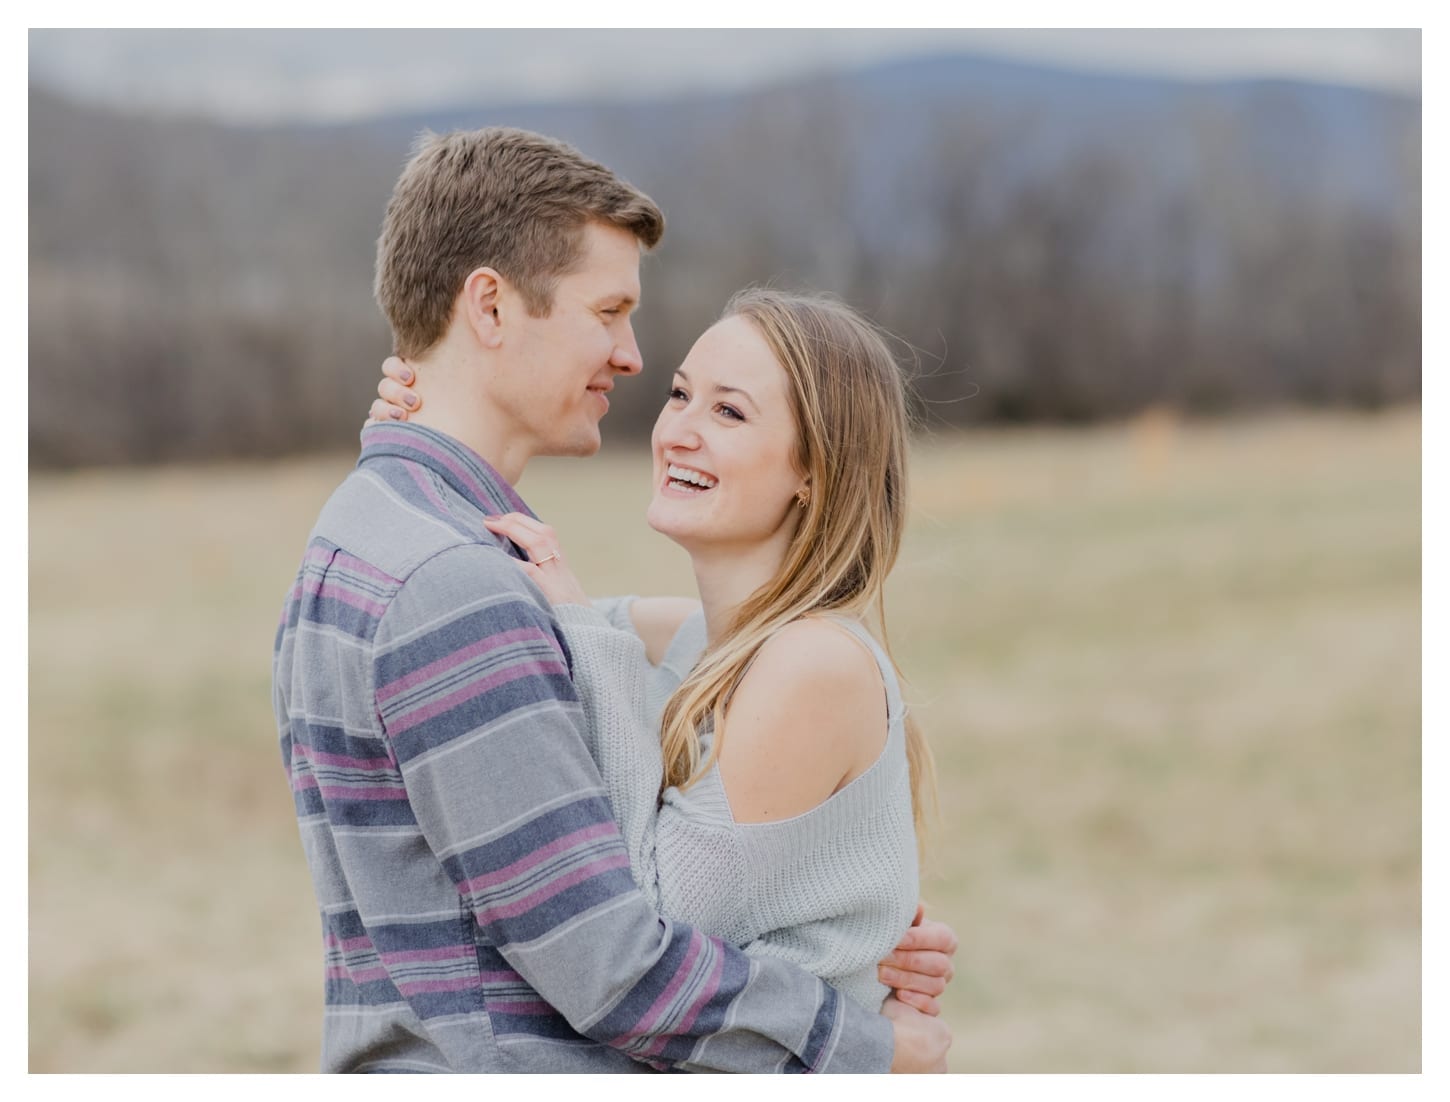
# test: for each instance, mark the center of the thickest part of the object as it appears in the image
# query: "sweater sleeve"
(616, 611)
(472, 687)
(609, 668)
(684, 852)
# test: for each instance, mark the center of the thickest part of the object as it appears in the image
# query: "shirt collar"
(459, 466)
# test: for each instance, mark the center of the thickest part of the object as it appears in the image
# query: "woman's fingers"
(536, 538)
(396, 394)
(395, 400)
(536, 530)
(381, 411)
(546, 565)
(508, 525)
(395, 368)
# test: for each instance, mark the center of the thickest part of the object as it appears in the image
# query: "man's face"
(557, 370)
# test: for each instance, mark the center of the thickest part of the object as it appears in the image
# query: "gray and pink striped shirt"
(478, 912)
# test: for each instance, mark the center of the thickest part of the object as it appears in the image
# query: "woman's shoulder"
(823, 650)
(809, 715)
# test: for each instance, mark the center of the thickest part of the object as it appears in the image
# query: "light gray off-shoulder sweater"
(831, 890)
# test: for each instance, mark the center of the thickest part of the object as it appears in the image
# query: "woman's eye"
(731, 412)
(678, 395)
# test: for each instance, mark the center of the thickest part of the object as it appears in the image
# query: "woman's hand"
(920, 967)
(395, 399)
(546, 564)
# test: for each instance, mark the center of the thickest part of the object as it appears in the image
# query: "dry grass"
(1172, 675)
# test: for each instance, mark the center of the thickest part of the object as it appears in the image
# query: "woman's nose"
(678, 429)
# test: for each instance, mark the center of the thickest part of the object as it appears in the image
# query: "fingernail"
(395, 413)
(411, 400)
(407, 375)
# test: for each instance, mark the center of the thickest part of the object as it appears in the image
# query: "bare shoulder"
(656, 619)
(808, 717)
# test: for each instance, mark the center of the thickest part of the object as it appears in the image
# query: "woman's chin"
(666, 522)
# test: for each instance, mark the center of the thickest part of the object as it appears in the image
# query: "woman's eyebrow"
(721, 388)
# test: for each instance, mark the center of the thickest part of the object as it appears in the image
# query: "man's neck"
(491, 448)
(454, 404)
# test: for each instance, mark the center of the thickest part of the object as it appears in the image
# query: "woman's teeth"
(685, 478)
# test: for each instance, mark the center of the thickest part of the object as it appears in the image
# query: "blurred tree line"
(1080, 253)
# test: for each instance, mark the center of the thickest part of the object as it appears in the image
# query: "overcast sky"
(265, 75)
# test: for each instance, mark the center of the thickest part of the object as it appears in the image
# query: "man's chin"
(578, 447)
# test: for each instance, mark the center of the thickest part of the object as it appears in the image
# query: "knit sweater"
(477, 910)
(831, 890)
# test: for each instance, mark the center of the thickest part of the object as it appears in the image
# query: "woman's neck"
(727, 577)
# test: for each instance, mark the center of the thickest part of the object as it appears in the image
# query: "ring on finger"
(546, 558)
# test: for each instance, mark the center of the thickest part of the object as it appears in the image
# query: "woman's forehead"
(735, 347)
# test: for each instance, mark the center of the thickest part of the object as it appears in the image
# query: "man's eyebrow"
(621, 299)
(721, 388)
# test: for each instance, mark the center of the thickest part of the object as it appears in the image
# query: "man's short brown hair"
(502, 198)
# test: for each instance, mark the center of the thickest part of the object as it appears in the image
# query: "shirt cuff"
(866, 1045)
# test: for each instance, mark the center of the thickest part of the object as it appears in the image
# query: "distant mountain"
(1061, 245)
(1315, 136)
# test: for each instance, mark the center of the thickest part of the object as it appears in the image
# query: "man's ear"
(479, 303)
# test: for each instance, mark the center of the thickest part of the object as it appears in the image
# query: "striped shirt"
(478, 912)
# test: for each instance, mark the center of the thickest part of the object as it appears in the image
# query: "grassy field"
(1171, 673)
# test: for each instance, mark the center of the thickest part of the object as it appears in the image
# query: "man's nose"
(626, 358)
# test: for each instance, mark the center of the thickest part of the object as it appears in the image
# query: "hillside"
(1056, 246)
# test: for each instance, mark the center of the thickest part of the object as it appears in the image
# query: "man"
(477, 906)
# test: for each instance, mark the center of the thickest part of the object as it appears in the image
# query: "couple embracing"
(549, 834)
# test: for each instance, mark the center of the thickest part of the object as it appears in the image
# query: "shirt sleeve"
(472, 687)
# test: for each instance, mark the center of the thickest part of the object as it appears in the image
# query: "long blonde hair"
(848, 398)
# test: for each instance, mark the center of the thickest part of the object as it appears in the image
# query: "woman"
(756, 751)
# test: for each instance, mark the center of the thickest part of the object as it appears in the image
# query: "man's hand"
(920, 967)
(921, 1040)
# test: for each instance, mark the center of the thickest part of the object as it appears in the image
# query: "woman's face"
(724, 476)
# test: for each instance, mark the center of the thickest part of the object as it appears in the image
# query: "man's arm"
(474, 695)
